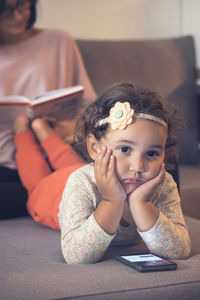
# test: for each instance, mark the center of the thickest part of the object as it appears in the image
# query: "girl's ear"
(92, 146)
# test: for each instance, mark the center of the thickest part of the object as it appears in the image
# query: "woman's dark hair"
(33, 16)
(33, 10)
(142, 101)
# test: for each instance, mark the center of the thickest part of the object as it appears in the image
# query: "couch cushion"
(32, 267)
(166, 65)
(190, 190)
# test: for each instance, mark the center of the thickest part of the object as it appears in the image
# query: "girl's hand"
(145, 192)
(109, 211)
(144, 213)
(107, 182)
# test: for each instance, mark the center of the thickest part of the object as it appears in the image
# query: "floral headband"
(121, 115)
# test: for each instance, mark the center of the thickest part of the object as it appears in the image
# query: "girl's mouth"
(133, 180)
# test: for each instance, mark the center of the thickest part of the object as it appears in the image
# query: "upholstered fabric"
(32, 267)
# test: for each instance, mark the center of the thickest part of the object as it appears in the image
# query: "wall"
(117, 19)
(191, 23)
(123, 19)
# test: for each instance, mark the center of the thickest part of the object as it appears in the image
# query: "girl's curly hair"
(142, 100)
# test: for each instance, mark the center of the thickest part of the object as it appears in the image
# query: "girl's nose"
(137, 165)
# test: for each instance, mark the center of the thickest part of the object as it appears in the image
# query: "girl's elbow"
(74, 256)
(182, 253)
(71, 259)
(186, 251)
(186, 248)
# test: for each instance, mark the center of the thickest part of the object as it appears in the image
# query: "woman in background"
(32, 61)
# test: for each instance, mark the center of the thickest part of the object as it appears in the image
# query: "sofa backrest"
(165, 65)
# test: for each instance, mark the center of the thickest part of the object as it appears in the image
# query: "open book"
(59, 104)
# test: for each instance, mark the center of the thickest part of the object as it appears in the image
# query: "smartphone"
(147, 262)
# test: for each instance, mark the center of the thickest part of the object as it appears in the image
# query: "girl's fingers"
(103, 160)
(111, 166)
(153, 183)
(99, 157)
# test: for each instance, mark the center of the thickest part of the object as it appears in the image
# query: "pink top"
(47, 61)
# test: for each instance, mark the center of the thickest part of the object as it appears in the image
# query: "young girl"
(123, 193)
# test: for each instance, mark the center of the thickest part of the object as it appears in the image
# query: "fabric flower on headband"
(121, 115)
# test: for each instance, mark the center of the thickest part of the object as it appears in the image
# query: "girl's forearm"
(168, 238)
(145, 215)
(108, 215)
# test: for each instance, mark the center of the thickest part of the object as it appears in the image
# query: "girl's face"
(14, 17)
(139, 150)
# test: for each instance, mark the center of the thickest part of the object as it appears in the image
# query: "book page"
(14, 99)
(48, 96)
(59, 109)
(8, 114)
(59, 104)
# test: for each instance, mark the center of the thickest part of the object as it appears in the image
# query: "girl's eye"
(152, 154)
(124, 149)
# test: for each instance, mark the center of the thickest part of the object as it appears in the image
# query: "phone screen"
(147, 262)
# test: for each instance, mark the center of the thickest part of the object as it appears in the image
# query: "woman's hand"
(107, 182)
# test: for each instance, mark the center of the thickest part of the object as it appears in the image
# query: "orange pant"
(44, 185)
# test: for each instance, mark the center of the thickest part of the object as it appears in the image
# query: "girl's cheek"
(156, 169)
(120, 169)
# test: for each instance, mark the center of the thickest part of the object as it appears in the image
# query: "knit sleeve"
(169, 237)
(82, 239)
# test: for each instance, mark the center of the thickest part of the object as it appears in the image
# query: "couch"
(31, 263)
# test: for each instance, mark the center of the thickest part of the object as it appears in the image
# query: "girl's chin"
(129, 188)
